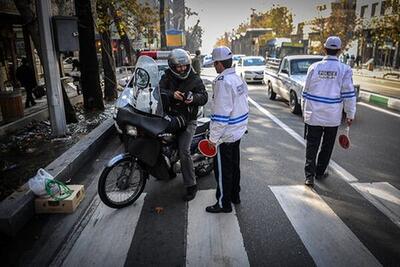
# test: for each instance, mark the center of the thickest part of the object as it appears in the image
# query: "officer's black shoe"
(323, 176)
(236, 200)
(309, 181)
(190, 193)
(217, 209)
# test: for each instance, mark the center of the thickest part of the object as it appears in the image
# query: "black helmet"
(179, 57)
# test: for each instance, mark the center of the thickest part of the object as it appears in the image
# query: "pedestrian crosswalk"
(218, 240)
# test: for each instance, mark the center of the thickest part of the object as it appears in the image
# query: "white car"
(251, 68)
(236, 58)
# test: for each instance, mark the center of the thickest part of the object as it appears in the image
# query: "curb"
(381, 101)
(17, 209)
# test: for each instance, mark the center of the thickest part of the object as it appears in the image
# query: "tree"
(279, 18)
(386, 29)
(341, 22)
(224, 40)
(105, 16)
(194, 37)
(92, 94)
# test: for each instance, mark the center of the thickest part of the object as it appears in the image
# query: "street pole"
(52, 76)
(162, 25)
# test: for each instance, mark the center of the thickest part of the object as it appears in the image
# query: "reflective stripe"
(320, 97)
(348, 93)
(349, 96)
(323, 101)
(220, 116)
(238, 121)
(221, 190)
(219, 120)
(237, 118)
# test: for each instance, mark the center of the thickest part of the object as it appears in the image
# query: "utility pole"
(162, 25)
(52, 75)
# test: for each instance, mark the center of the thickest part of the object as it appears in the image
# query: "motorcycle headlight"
(131, 130)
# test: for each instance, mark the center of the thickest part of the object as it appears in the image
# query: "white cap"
(221, 53)
(333, 42)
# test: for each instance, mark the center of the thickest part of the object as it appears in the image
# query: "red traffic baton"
(344, 139)
(206, 148)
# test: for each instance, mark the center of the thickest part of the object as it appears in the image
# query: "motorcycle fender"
(117, 158)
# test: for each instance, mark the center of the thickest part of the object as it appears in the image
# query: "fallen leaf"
(159, 210)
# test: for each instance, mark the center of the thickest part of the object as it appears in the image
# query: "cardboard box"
(68, 205)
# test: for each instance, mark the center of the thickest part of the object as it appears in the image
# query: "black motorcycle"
(149, 138)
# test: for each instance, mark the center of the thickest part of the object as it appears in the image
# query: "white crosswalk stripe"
(106, 238)
(216, 239)
(328, 240)
(213, 239)
(383, 196)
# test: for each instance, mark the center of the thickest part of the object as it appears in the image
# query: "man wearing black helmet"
(186, 92)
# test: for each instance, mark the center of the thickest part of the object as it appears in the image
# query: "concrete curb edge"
(17, 209)
(379, 100)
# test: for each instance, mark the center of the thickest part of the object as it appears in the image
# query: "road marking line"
(328, 240)
(345, 175)
(106, 239)
(383, 196)
(213, 239)
(379, 109)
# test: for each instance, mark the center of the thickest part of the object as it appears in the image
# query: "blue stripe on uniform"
(349, 96)
(238, 120)
(219, 120)
(220, 116)
(348, 93)
(320, 97)
(323, 101)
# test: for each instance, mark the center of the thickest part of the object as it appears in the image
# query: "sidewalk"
(379, 73)
(37, 112)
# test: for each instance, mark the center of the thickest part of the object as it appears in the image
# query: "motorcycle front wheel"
(121, 184)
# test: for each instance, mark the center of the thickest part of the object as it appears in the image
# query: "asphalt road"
(379, 86)
(280, 222)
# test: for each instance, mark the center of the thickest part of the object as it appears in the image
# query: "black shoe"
(309, 181)
(323, 176)
(217, 209)
(236, 200)
(190, 193)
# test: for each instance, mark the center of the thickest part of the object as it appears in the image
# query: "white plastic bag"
(38, 183)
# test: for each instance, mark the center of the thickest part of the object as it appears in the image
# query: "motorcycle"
(150, 142)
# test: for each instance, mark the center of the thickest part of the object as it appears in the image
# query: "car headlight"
(131, 130)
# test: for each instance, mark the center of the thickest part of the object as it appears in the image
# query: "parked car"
(236, 58)
(251, 68)
(207, 61)
(288, 79)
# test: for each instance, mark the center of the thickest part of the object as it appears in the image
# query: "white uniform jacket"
(328, 88)
(230, 108)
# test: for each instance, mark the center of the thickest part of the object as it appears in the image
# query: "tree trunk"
(70, 115)
(28, 15)
(91, 90)
(110, 81)
(162, 25)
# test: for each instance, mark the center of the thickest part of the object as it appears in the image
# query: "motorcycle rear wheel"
(121, 184)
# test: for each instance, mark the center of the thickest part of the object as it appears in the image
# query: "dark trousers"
(29, 97)
(227, 173)
(313, 135)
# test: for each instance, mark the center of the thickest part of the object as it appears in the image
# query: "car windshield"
(253, 62)
(300, 66)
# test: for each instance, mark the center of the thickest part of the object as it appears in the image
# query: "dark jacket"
(26, 77)
(169, 83)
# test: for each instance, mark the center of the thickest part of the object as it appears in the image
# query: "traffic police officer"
(327, 91)
(228, 124)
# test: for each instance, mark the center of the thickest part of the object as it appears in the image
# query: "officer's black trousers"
(227, 173)
(313, 135)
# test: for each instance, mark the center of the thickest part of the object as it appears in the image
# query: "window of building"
(373, 9)
(362, 12)
(383, 8)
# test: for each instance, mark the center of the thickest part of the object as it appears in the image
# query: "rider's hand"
(178, 95)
